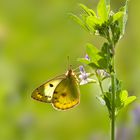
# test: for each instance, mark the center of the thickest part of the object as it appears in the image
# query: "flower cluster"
(84, 77)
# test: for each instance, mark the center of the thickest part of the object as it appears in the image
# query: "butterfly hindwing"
(45, 92)
(66, 94)
(62, 91)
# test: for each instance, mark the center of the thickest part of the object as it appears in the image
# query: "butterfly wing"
(66, 94)
(45, 92)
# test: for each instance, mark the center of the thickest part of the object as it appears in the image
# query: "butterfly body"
(62, 92)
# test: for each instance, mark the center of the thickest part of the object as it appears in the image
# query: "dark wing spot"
(51, 85)
(55, 99)
(63, 94)
(48, 96)
(55, 92)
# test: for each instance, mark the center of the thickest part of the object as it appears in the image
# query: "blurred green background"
(36, 36)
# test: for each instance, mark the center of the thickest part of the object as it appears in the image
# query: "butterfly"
(62, 91)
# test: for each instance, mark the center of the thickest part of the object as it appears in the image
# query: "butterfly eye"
(51, 85)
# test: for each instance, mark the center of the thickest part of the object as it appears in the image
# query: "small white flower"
(84, 76)
(102, 73)
(86, 57)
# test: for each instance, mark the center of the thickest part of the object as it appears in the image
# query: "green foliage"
(105, 23)
(123, 19)
(87, 11)
(125, 99)
(121, 100)
(111, 26)
(79, 21)
(103, 10)
(98, 59)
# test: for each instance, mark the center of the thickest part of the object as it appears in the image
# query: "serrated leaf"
(103, 10)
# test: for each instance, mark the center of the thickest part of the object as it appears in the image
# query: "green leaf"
(92, 21)
(89, 18)
(99, 59)
(118, 87)
(116, 31)
(94, 57)
(83, 60)
(124, 95)
(125, 99)
(103, 9)
(88, 11)
(94, 65)
(108, 6)
(129, 100)
(107, 98)
(122, 100)
(106, 55)
(117, 16)
(124, 18)
(102, 63)
(79, 21)
(93, 53)
(119, 23)
(119, 94)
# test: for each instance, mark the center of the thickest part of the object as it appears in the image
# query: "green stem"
(101, 87)
(100, 83)
(113, 108)
(113, 95)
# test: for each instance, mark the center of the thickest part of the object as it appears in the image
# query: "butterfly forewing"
(45, 92)
(66, 94)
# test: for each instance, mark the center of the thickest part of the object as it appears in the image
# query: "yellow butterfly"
(62, 92)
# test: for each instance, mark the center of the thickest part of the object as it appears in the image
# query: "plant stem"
(113, 79)
(113, 108)
(101, 87)
(100, 83)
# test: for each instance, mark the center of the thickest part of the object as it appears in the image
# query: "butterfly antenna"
(76, 69)
(69, 66)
